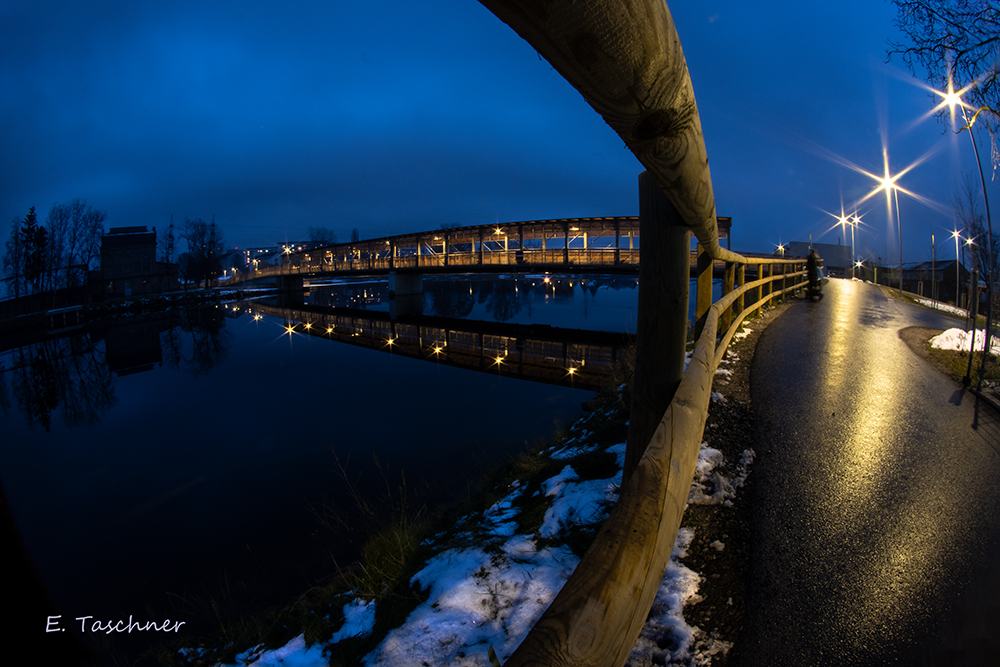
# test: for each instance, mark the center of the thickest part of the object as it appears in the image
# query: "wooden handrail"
(625, 58)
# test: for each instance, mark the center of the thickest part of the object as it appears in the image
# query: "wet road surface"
(876, 495)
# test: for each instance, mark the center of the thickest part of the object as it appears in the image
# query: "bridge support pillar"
(406, 294)
(290, 283)
(662, 320)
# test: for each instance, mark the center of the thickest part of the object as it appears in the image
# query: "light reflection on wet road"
(876, 502)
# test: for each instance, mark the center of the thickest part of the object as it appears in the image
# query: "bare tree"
(13, 261)
(205, 250)
(954, 42)
(323, 235)
(168, 244)
(966, 202)
(74, 244)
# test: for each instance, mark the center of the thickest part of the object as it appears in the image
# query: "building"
(129, 266)
(725, 226)
(935, 280)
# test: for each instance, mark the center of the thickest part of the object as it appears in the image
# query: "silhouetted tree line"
(323, 235)
(203, 259)
(59, 254)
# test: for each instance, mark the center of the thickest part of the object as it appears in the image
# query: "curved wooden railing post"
(741, 278)
(661, 323)
(728, 285)
(703, 289)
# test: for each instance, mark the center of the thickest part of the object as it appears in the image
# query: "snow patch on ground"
(957, 339)
(666, 638)
(293, 654)
(944, 307)
(710, 486)
(580, 503)
(359, 619)
(478, 599)
(490, 595)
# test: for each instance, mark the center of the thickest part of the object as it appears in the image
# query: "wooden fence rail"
(598, 614)
(625, 58)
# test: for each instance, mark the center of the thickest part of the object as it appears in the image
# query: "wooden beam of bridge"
(610, 244)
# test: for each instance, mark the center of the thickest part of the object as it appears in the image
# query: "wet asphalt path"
(876, 495)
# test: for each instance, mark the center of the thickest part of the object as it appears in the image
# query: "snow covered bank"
(943, 307)
(957, 339)
(491, 575)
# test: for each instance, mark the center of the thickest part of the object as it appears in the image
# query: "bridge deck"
(572, 244)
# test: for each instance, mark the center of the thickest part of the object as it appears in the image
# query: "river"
(178, 464)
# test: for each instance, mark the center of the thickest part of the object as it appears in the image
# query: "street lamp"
(854, 223)
(843, 230)
(952, 98)
(889, 183)
(844, 220)
(958, 277)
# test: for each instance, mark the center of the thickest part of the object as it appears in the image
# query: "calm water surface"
(157, 465)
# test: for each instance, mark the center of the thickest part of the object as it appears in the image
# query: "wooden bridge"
(625, 58)
(567, 245)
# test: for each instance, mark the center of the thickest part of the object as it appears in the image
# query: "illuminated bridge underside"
(579, 359)
(571, 244)
(580, 242)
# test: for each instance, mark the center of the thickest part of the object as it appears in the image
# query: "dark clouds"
(392, 117)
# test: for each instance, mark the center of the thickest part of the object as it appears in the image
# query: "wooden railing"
(624, 57)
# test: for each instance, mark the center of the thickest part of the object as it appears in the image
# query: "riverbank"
(481, 583)
(30, 325)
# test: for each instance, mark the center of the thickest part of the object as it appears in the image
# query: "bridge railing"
(624, 57)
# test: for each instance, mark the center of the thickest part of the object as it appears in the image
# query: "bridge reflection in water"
(568, 357)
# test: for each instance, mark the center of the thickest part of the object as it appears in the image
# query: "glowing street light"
(888, 183)
(951, 99)
(844, 221)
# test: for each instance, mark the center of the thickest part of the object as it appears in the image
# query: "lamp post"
(843, 230)
(888, 183)
(958, 277)
(854, 223)
(933, 271)
(951, 98)
(968, 243)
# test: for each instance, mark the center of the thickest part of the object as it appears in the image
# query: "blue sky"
(395, 117)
